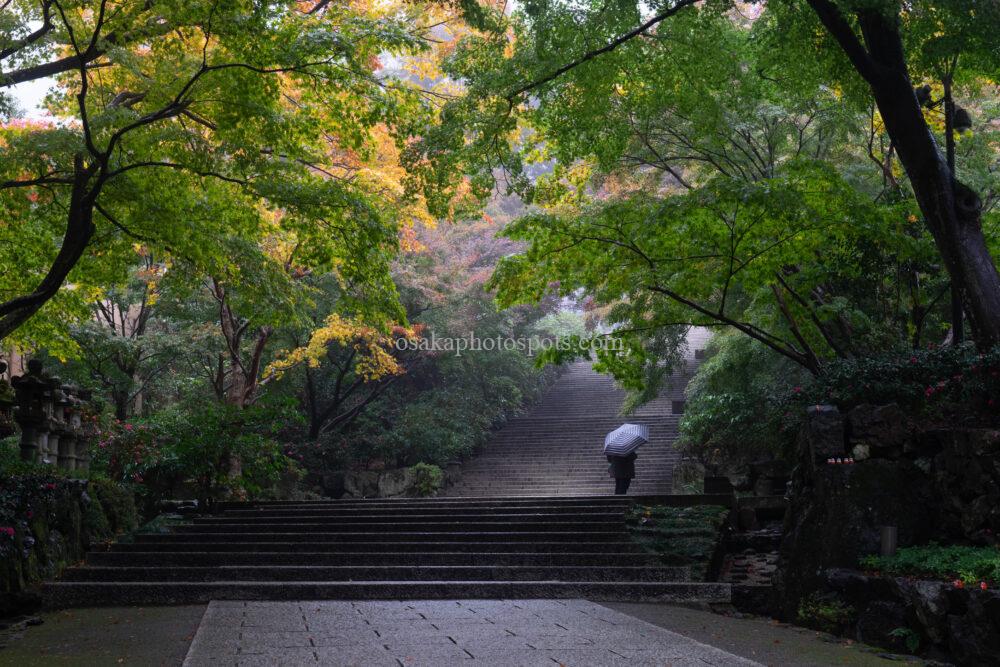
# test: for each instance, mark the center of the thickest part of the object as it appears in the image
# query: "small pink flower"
(7, 530)
(983, 586)
(929, 392)
(958, 583)
(128, 427)
(797, 389)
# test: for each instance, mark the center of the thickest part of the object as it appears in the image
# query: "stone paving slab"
(440, 633)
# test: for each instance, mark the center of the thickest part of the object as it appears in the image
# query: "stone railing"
(50, 416)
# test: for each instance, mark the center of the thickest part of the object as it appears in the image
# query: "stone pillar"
(67, 434)
(85, 432)
(44, 433)
(822, 435)
(56, 418)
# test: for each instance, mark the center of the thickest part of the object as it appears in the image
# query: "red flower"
(50, 486)
(983, 586)
(7, 530)
(913, 360)
(958, 583)
(797, 389)
(929, 392)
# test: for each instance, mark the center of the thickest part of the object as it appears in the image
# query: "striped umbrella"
(626, 439)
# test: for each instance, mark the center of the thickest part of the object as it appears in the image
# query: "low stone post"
(889, 539)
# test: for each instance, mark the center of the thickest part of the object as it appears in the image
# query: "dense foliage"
(243, 141)
(739, 405)
(944, 382)
(735, 164)
(191, 444)
(968, 565)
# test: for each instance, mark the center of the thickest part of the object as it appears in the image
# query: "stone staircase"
(531, 518)
(556, 448)
(441, 548)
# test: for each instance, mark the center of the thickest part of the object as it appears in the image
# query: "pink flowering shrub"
(947, 381)
(126, 452)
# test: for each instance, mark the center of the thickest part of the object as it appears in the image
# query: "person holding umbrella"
(622, 468)
(619, 447)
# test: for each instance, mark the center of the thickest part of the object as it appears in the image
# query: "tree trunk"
(79, 231)
(951, 210)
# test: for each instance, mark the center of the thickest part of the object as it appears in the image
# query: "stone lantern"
(29, 410)
(49, 414)
(6, 404)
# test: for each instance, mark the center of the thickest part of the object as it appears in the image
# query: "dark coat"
(622, 467)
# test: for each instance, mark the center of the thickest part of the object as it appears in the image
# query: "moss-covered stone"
(47, 523)
(679, 535)
(118, 503)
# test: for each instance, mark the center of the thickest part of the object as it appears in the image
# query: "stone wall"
(940, 620)
(393, 483)
(930, 482)
(47, 523)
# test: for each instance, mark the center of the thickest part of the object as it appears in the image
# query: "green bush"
(745, 404)
(427, 479)
(737, 405)
(117, 504)
(196, 444)
(945, 380)
(825, 613)
(969, 565)
(95, 522)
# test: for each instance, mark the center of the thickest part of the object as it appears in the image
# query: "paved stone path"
(440, 633)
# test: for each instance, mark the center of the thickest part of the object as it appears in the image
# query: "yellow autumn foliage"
(374, 348)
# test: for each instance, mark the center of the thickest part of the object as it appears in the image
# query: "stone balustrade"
(50, 416)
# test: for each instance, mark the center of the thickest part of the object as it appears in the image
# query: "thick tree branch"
(607, 48)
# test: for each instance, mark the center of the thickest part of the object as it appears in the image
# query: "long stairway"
(556, 448)
(438, 548)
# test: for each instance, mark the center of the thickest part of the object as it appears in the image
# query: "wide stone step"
(377, 573)
(388, 538)
(368, 558)
(551, 478)
(527, 489)
(314, 528)
(362, 516)
(209, 543)
(70, 594)
(403, 503)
